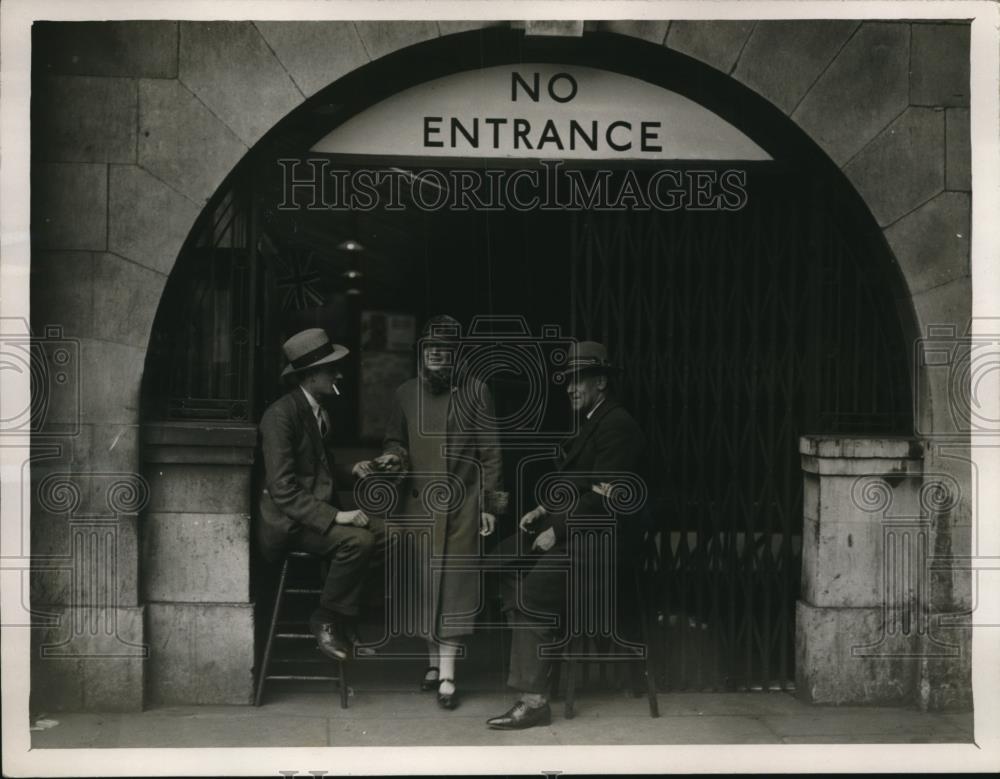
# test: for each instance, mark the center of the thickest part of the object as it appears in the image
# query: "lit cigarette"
(334, 387)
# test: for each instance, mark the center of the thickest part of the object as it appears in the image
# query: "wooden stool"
(295, 632)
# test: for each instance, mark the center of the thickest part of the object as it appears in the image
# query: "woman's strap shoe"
(426, 685)
(447, 700)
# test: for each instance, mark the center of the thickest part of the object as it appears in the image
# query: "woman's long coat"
(449, 448)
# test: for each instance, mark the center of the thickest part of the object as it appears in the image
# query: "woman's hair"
(441, 326)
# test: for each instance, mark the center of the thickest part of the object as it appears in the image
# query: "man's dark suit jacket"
(300, 486)
(610, 442)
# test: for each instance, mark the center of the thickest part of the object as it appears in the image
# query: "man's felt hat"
(586, 356)
(310, 348)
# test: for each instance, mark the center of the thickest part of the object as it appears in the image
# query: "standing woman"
(444, 423)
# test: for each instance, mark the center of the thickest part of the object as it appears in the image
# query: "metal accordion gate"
(737, 332)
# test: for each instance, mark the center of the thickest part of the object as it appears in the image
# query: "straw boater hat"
(311, 348)
(588, 356)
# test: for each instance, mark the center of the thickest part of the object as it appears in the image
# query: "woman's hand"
(487, 524)
(363, 468)
(388, 462)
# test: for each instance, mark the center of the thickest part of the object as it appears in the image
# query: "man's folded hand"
(530, 518)
(602, 488)
(545, 540)
(357, 518)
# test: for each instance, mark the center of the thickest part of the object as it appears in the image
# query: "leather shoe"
(447, 700)
(330, 640)
(521, 716)
(426, 685)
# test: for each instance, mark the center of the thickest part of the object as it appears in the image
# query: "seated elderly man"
(608, 441)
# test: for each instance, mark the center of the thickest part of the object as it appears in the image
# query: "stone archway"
(113, 205)
(194, 114)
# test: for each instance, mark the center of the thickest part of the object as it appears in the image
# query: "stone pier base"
(871, 619)
(196, 563)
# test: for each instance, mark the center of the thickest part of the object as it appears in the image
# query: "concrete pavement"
(298, 717)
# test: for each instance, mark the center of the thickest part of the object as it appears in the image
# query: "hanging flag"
(298, 280)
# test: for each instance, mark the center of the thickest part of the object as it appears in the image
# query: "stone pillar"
(862, 618)
(196, 562)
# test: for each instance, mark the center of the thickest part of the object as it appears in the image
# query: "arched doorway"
(738, 330)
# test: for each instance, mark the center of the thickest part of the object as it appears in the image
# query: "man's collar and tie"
(572, 444)
(322, 418)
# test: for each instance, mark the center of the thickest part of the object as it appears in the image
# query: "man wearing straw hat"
(299, 507)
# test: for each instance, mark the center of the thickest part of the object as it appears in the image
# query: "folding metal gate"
(737, 333)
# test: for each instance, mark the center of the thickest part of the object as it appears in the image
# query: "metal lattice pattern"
(736, 333)
(203, 342)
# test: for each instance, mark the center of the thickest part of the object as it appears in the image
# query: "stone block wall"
(195, 561)
(889, 103)
(135, 125)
